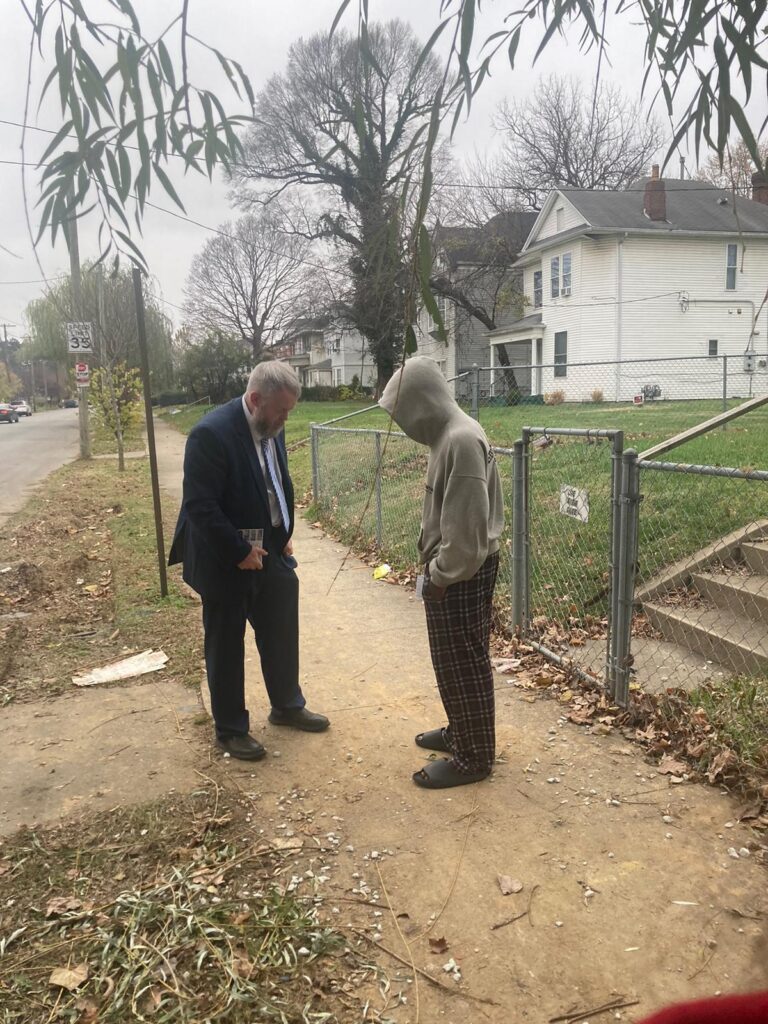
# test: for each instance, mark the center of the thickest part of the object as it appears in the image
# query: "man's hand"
(254, 560)
(288, 549)
(432, 592)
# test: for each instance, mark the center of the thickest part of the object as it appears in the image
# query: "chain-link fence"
(637, 381)
(368, 490)
(565, 522)
(627, 570)
(700, 603)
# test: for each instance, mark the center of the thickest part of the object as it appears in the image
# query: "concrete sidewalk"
(627, 880)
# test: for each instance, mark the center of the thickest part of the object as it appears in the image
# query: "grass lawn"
(570, 560)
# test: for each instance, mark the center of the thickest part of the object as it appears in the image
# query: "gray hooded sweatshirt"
(463, 513)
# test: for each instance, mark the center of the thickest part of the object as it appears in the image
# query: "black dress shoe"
(246, 748)
(299, 718)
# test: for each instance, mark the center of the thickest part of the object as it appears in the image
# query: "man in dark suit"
(236, 481)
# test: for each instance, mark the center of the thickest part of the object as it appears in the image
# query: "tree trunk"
(512, 388)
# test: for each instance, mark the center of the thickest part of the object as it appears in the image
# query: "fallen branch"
(424, 974)
(571, 1018)
(509, 920)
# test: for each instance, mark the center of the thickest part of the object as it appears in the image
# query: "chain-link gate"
(694, 593)
(565, 545)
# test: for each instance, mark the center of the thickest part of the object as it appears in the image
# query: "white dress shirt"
(274, 507)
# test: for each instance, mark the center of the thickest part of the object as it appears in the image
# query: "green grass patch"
(104, 442)
(737, 709)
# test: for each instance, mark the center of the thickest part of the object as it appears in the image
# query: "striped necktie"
(274, 479)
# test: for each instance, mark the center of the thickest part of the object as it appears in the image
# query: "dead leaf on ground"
(725, 759)
(62, 904)
(438, 945)
(509, 885)
(152, 1000)
(671, 766)
(89, 1011)
(69, 978)
(5, 866)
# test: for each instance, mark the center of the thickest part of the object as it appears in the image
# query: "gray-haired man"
(236, 481)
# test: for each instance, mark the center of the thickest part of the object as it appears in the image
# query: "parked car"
(22, 407)
(8, 414)
(69, 403)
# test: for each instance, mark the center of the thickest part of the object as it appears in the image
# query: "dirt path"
(627, 882)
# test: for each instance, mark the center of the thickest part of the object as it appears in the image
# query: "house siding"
(549, 226)
(641, 316)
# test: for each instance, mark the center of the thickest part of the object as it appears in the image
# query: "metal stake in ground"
(142, 331)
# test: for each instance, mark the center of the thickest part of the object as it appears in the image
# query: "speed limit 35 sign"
(80, 337)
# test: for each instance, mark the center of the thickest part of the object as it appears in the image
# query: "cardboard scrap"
(136, 665)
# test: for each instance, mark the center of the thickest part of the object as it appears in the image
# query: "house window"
(537, 289)
(336, 376)
(566, 282)
(712, 347)
(730, 266)
(559, 218)
(561, 353)
(555, 276)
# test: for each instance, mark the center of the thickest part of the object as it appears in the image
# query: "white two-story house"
(667, 268)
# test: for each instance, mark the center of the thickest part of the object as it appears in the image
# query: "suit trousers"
(271, 606)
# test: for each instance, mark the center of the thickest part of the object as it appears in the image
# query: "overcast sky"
(258, 34)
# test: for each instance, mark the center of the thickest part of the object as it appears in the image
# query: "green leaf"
(166, 63)
(137, 256)
(467, 29)
(428, 47)
(165, 182)
(56, 141)
(514, 42)
(339, 16)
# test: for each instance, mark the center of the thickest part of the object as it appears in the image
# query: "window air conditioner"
(565, 291)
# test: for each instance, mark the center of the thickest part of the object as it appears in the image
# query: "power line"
(482, 185)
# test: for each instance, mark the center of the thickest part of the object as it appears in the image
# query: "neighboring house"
(349, 355)
(667, 268)
(304, 348)
(326, 352)
(475, 289)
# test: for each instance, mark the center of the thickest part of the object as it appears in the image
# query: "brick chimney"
(655, 199)
(760, 188)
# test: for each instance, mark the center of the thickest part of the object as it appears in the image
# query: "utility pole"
(142, 331)
(106, 369)
(32, 375)
(77, 304)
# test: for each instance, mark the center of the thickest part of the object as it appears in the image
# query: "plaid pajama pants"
(459, 629)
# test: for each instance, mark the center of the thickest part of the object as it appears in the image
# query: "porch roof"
(523, 325)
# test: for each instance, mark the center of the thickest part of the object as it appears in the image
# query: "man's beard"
(263, 429)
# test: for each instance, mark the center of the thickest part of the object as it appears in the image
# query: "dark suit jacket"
(225, 491)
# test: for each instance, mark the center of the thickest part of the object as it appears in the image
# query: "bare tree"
(563, 136)
(245, 280)
(737, 170)
(348, 116)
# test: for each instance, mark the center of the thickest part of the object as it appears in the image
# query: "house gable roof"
(693, 208)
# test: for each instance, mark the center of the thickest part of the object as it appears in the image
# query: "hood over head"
(419, 400)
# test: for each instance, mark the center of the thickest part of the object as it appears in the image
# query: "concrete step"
(755, 554)
(734, 641)
(743, 595)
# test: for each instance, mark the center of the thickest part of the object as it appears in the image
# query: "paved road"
(32, 448)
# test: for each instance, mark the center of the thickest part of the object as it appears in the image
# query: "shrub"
(554, 397)
(320, 393)
(170, 398)
(597, 395)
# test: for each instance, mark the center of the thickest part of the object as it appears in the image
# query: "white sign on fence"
(574, 503)
(80, 337)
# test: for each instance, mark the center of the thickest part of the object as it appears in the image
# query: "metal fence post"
(725, 388)
(315, 448)
(616, 473)
(526, 527)
(628, 535)
(518, 536)
(475, 386)
(379, 525)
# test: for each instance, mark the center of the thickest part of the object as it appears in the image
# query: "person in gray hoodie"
(462, 521)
